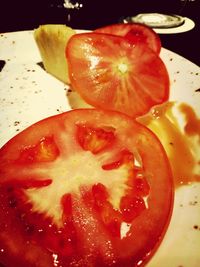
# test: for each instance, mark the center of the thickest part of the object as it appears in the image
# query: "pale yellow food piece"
(51, 40)
(75, 100)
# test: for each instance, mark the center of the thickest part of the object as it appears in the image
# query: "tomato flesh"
(80, 189)
(135, 33)
(94, 140)
(110, 73)
(44, 151)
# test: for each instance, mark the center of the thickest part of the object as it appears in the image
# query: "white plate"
(153, 19)
(28, 94)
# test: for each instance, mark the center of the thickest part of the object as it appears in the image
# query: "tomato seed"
(131, 207)
(142, 187)
(94, 139)
(12, 202)
(30, 229)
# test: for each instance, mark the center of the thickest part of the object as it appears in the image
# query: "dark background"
(27, 15)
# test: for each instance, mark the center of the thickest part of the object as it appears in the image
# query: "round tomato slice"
(83, 188)
(135, 33)
(109, 73)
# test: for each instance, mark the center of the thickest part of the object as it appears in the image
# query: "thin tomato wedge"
(135, 33)
(110, 73)
(83, 188)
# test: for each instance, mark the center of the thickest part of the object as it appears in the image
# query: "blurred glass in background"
(86, 14)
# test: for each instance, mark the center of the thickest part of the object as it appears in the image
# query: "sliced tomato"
(109, 73)
(135, 33)
(84, 188)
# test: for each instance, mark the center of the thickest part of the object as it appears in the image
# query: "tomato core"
(122, 67)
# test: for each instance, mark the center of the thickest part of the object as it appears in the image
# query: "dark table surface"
(91, 14)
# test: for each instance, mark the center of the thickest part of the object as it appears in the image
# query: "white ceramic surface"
(28, 94)
(188, 25)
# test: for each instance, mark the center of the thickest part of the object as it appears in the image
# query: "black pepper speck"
(2, 64)
(16, 123)
(193, 203)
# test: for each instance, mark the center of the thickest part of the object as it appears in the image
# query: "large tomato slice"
(83, 188)
(136, 33)
(110, 73)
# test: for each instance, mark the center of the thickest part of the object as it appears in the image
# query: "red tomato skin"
(135, 33)
(95, 61)
(19, 249)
